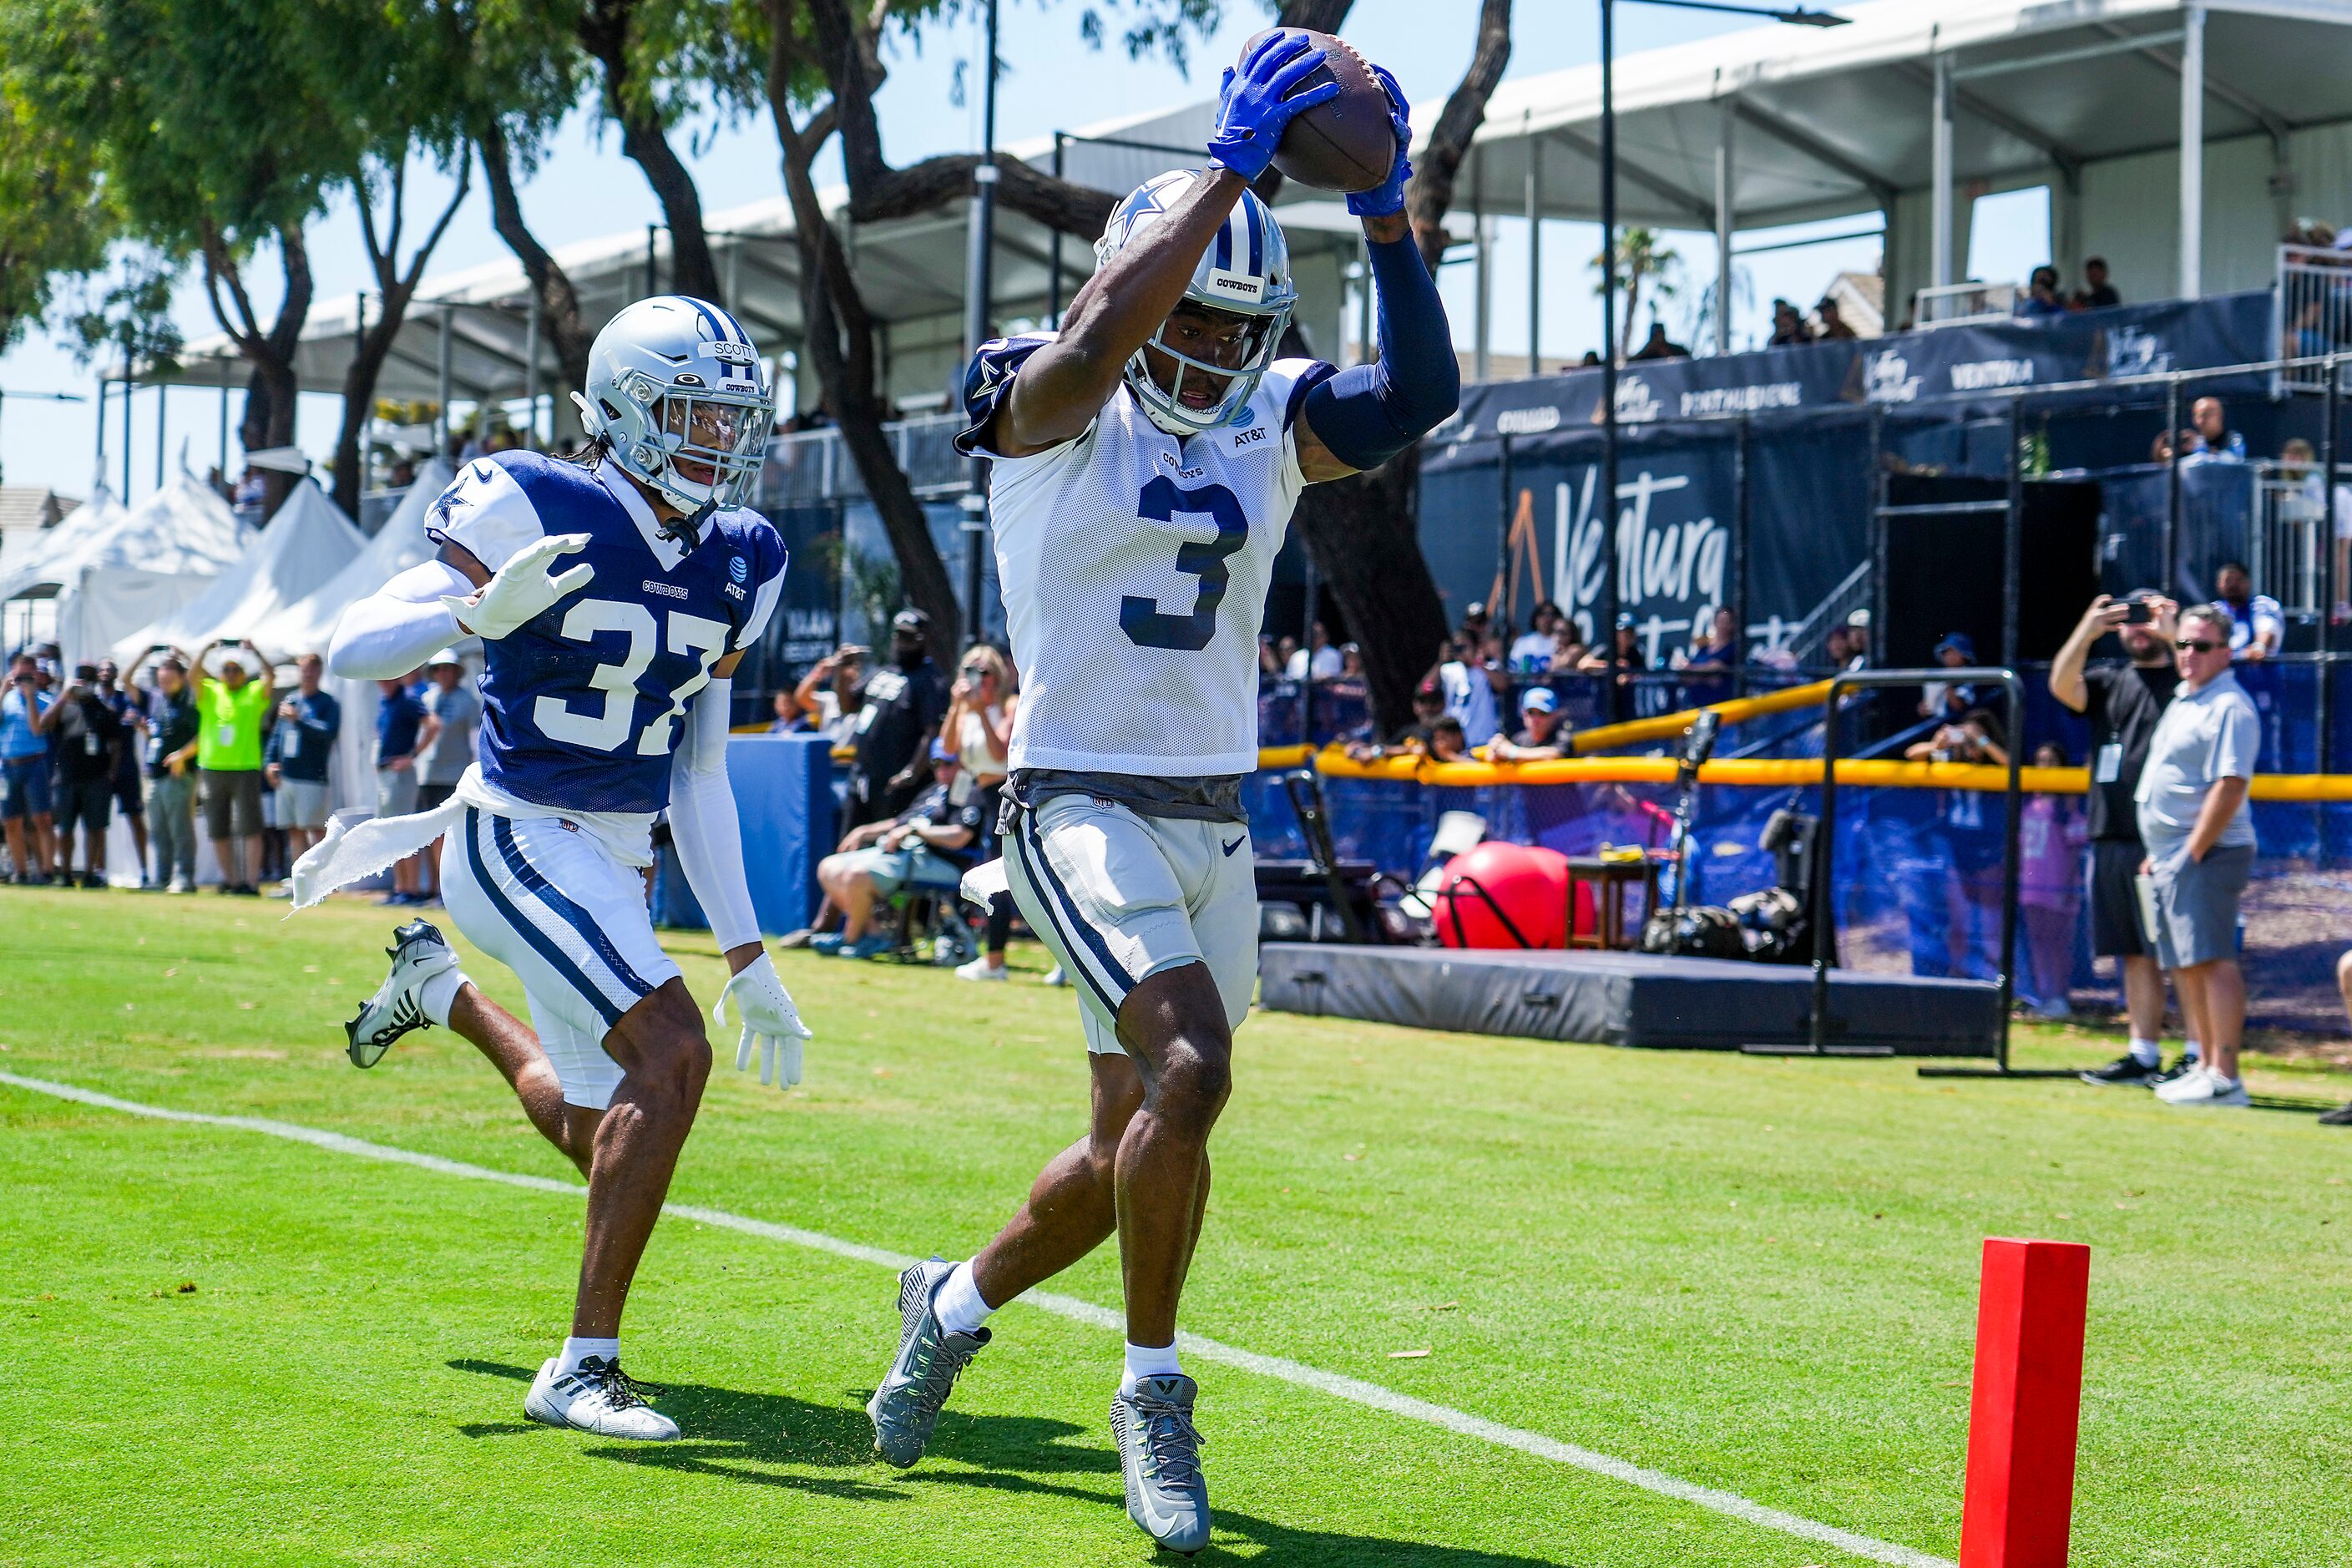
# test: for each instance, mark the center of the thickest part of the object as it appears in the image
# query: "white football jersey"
(1134, 568)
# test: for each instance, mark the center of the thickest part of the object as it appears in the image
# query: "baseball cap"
(1960, 642)
(1428, 688)
(1625, 620)
(447, 656)
(911, 620)
(1541, 699)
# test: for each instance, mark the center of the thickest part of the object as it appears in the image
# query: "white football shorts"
(546, 900)
(1118, 896)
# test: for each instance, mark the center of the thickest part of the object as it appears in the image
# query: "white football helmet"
(675, 383)
(1245, 272)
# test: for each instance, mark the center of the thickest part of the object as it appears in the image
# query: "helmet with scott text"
(678, 398)
(1243, 272)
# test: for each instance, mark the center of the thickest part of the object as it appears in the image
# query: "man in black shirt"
(2123, 704)
(88, 739)
(903, 704)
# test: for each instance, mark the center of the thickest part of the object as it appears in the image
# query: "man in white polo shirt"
(2200, 835)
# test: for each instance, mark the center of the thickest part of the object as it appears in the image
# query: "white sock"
(958, 1305)
(1146, 1360)
(574, 1349)
(438, 995)
(2148, 1053)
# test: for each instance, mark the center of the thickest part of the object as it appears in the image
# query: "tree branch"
(1430, 194)
(221, 266)
(559, 302)
(441, 226)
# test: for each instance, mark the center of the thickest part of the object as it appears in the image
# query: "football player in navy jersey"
(1147, 460)
(614, 596)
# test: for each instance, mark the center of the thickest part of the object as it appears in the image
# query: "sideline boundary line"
(1353, 1390)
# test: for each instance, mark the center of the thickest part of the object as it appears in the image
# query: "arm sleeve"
(399, 626)
(1366, 413)
(986, 381)
(703, 824)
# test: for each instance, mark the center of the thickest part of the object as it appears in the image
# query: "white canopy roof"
(2084, 94)
(37, 571)
(306, 623)
(136, 567)
(304, 545)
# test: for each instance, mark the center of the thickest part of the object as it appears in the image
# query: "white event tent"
(126, 569)
(301, 548)
(309, 623)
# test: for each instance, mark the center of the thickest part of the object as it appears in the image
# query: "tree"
(568, 332)
(54, 218)
(823, 70)
(1364, 531)
(217, 127)
(1639, 255)
(661, 60)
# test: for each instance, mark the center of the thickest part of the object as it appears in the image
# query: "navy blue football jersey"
(583, 707)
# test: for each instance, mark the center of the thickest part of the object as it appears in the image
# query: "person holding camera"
(25, 712)
(89, 738)
(233, 716)
(2123, 703)
(828, 695)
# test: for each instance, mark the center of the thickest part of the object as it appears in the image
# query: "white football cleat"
(597, 1397)
(418, 953)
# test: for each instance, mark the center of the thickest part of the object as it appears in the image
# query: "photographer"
(2123, 705)
(24, 712)
(828, 695)
(90, 740)
(233, 714)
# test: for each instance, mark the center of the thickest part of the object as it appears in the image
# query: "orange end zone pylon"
(2027, 1404)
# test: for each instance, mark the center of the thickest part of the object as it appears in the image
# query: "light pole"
(1797, 17)
(978, 281)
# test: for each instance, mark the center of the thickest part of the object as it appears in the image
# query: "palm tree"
(1639, 256)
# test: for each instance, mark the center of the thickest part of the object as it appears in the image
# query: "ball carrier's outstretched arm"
(1064, 385)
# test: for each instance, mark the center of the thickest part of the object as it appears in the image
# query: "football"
(1345, 144)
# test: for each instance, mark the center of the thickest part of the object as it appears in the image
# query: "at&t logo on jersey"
(738, 569)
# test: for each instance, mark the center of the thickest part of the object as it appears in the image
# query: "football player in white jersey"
(1147, 462)
(605, 697)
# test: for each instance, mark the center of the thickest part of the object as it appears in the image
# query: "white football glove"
(522, 588)
(770, 1022)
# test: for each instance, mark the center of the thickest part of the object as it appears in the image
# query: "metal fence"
(816, 466)
(2292, 542)
(2315, 310)
(1962, 304)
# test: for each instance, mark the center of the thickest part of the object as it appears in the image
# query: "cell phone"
(2137, 614)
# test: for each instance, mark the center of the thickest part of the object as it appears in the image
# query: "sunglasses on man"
(2198, 645)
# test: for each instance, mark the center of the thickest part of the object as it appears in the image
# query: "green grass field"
(1754, 1275)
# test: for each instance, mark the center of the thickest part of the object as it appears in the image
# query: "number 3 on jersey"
(1143, 621)
(606, 729)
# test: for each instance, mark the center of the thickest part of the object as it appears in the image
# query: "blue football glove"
(1382, 201)
(1254, 106)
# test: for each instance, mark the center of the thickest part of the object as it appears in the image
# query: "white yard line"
(1353, 1390)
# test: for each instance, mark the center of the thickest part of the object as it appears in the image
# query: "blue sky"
(587, 188)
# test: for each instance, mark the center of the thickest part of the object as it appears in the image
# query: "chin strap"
(687, 529)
